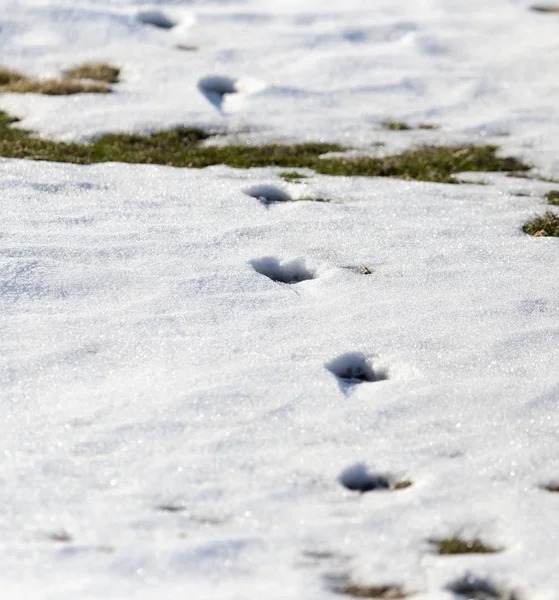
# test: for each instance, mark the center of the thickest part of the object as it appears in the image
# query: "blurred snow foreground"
(212, 391)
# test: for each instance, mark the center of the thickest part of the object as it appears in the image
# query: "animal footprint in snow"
(156, 18)
(358, 479)
(270, 194)
(287, 272)
(474, 588)
(353, 368)
(226, 93)
(176, 19)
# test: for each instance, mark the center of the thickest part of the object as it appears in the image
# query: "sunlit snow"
(201, 377)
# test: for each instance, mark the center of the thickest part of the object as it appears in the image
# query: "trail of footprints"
(349, 369)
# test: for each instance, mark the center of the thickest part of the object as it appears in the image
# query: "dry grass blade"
(384, 592)
(544, 9)
(9, 77)
(97, 71)
(187, 47)
(66, 87)
(551, 487)
(55, 87)
(456, 545)
(546, 225)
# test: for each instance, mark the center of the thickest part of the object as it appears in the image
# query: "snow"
(150, 360)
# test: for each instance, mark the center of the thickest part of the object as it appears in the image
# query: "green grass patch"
(97, 71)
(428, 163)
(456, 545)
(55, 87)
(553, 197)
(395, 126)
(531, 176)
(9, 76)
(183, 147)
(546, 225)
(292, 176)
(17, 83)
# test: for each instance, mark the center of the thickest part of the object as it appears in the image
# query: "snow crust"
(170, 426)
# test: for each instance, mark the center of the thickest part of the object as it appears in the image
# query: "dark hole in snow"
(353, 367)
(357, 479)
(218, 84)
(474, 588)
(288, 272)
(215, 87)
(172, 508)
(268, 193)
(155, 18)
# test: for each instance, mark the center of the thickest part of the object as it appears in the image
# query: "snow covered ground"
(171, 425)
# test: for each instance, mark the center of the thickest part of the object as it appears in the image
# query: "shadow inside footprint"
(474, 588)
(170, 508)
(268, 194)
(156, 19)
(288, 272)
(358, 479)
(225, 92)
(216, 87)
(353, 368)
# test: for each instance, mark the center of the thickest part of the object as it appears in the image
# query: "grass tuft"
(292, 176)
(187, 47)
(60, 536)
(399, 485)
(428, 163)
(9, 77)
(17, 83)
(551, 487)
(402, 126)
(546, 225)
(54, 87)
(97, 71)
(456, 545)
(553, 197)
(345, 587)
(182, 147)
(544, 9)
(395, 126)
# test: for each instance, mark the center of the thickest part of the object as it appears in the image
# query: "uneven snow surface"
(199, 369)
